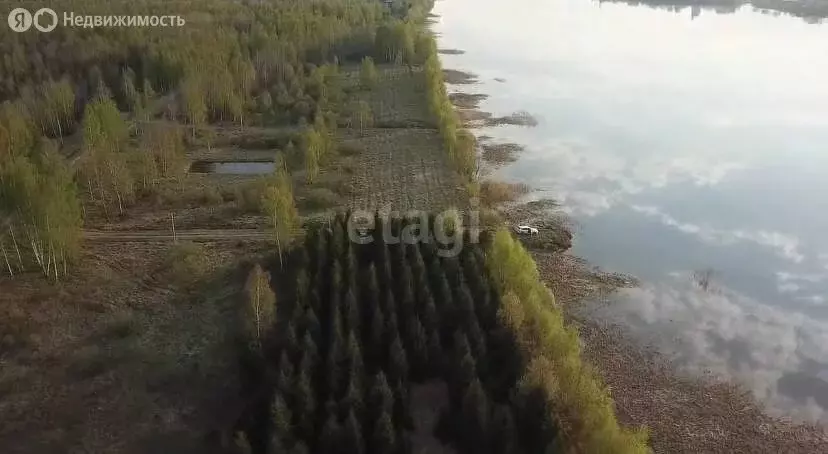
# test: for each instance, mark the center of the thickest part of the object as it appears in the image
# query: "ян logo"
(20, 20)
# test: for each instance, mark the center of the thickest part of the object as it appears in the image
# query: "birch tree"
(259, 308)
(279, 205)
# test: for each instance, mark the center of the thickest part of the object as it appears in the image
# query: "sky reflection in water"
(677, 145)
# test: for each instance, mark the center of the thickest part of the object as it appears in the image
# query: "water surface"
(233, 168)
(679, 142)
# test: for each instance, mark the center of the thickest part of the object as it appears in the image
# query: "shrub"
(249, 196)
(186, 263)
(320, 199)
(211, 195)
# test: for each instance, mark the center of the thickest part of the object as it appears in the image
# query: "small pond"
(232, 167)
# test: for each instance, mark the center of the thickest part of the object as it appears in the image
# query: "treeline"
(40, 216)
(230, 59)
(459, 143)
(334, 344)
(584, 410)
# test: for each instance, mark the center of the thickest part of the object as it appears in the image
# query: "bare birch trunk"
(8, 265)
(16, 249)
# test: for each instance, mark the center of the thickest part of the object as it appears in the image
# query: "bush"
(186, 263)
(350, 150)
(211, 195)
(249, 196)
(320, 199)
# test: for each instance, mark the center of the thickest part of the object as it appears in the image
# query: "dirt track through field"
(185, 235)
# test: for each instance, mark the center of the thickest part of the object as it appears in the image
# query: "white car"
(526, 230)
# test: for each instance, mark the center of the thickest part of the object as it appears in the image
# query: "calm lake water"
(233, 168)
(678, 144)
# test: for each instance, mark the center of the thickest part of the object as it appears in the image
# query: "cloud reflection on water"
(778, 354)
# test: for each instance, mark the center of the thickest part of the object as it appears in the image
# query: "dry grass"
(494, 193)
(398, 100)
(405, 169)
(113, 359)
(500, 153)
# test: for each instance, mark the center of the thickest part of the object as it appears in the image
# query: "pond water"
(233, 168)
(683, 144)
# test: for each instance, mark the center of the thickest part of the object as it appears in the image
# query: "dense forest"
(355, 327)
(336, 339)
(94, 119)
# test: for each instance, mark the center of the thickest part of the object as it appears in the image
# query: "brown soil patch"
(467, 100)
(517, 119)
(116, 358)
(499, 154)
(451, 51)
(554, 228)
(404, 169)
(455, 77)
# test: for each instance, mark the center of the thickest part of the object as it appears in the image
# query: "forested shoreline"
(333, 337)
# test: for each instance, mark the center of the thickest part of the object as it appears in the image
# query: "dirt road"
(185, 235)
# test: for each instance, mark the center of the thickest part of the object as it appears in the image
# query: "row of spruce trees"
(333, 349)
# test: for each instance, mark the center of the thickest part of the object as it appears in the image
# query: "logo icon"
(20, 19)
(50, 24)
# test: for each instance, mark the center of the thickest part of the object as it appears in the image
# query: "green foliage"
(460, 145)
(104, 169)
(186, 262)
(166, 145)
(279, 205)
(585, 408)
(38, 198)
(368, 75)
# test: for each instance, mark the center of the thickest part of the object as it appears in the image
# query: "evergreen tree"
(397, 361)
(284, 375)
(383, 439)
(280, 416)
(435, 352)
(305, 404)
(376, 338)
(330, 439)
(417, 347)
(352, 441)
(380, 398)
(475, 419)
(351, 312)
(310, 323)
(503, 432)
